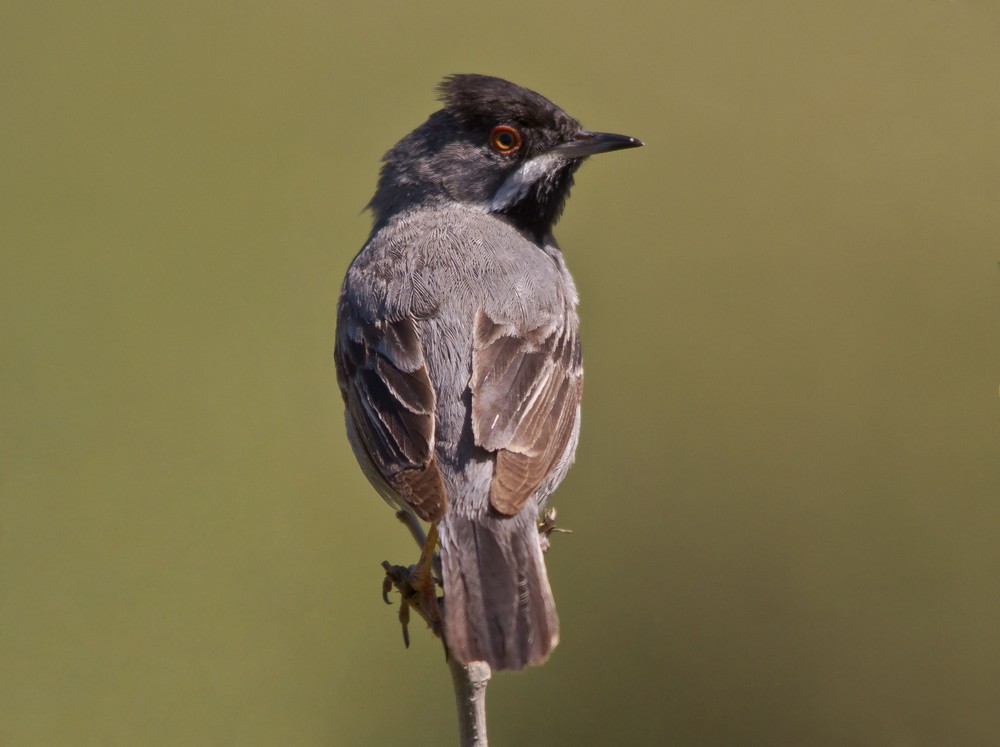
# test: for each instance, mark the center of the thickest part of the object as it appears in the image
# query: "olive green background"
(785, 504)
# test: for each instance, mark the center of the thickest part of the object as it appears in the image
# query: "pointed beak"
(586, 143)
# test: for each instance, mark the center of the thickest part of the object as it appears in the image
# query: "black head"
(495, 145)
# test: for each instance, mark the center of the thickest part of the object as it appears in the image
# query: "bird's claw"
(547, 526)
(417, 588)
(400, 578)
(387, 582)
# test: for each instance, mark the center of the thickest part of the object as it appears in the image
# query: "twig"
(469, 680)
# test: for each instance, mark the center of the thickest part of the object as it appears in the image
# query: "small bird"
(458, 354)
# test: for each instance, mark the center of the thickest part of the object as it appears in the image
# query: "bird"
(458, 353)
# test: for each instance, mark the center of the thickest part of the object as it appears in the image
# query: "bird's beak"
(586, 143)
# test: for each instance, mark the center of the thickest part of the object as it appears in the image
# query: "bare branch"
(469, 680)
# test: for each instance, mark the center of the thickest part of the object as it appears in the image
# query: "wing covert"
(526, 386)
(390, 400)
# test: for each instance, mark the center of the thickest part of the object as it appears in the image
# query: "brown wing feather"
(390, 400)
(526, 385)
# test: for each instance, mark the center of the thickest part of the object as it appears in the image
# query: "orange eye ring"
(505, 140)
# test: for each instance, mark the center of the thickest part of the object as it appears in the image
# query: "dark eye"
(505, 140)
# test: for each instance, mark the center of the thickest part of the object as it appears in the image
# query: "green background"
(785, 504)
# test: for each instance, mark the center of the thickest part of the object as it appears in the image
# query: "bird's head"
(496, 146)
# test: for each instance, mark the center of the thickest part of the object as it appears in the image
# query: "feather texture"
(390, 402)
(526, 385)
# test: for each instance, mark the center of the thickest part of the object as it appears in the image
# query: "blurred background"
(785, 504)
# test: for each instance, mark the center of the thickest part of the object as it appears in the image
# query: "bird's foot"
(417, 588)
(547, 525)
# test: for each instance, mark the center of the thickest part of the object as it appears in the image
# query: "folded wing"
(526, 386)
(390, 402)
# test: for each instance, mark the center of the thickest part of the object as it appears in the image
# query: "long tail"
(498, 604)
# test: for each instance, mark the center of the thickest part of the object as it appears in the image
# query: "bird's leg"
(416, 585)
(399, 576)
(422, 580)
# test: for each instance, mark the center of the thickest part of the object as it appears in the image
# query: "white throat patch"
(516, 186)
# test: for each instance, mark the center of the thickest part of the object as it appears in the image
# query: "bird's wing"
(390, 401)
(526, 386)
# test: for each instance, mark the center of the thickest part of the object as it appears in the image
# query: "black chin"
(537, 212)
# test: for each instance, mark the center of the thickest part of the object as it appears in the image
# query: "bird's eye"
(505, 140)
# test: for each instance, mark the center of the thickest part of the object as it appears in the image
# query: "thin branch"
(469, 680)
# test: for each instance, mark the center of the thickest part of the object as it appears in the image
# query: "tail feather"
(498, 604)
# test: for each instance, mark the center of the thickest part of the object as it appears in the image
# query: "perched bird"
(458, 354)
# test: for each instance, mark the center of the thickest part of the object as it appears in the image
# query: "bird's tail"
(498, 604)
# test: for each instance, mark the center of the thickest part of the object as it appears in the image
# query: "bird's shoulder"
(423, 260)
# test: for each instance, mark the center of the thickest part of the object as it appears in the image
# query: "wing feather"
(526, 386)
(390, 400)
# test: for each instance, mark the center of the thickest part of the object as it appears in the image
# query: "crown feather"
(478, 99)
